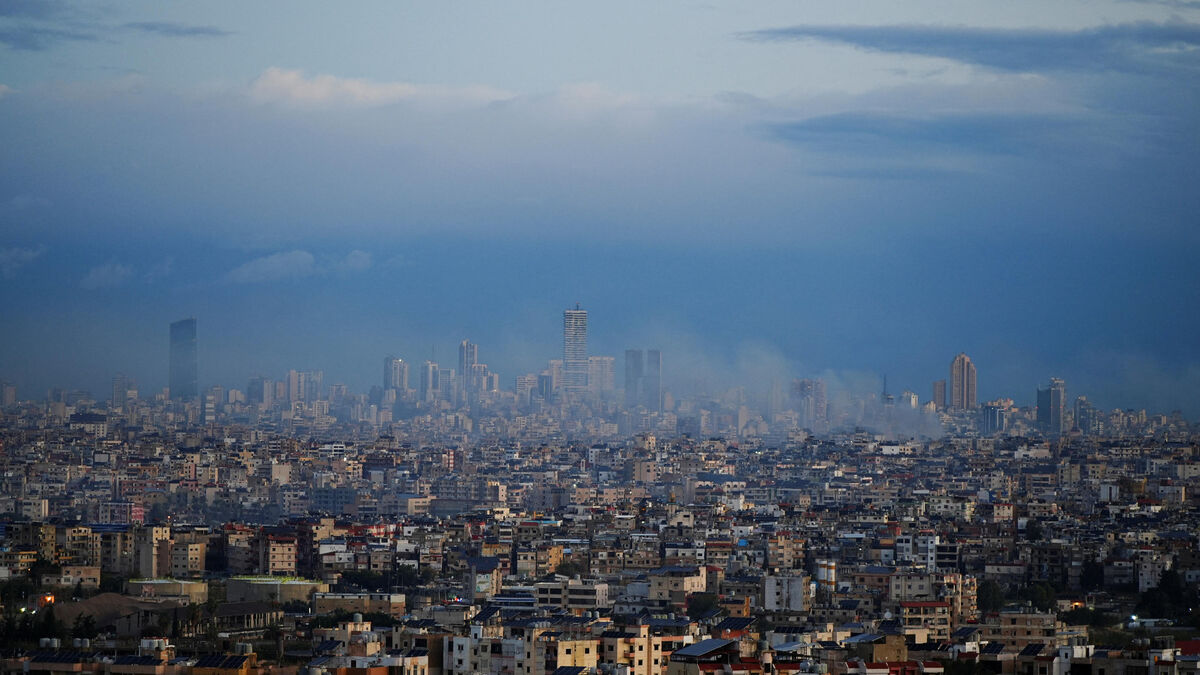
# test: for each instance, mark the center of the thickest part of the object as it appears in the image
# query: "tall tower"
(468, 357)
(652, 382)
(939, 394)
(575, 352)
(1051, 403)
(182, 375)
(395, 374)
(962, 383)
(633, 377)
(430, 382)
(810, 395)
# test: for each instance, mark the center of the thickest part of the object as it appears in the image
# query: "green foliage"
(570, 569)
(84, 627)
(1033, 530)
(295, 607)
(47, 626)
(1040, 594)
(1085, 616)
(1171, 599)
(1092, 576)
(15, 592)
(380, 582)
(111, 583)
(989, 596)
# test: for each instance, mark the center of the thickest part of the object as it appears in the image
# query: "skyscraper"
(652, 381)
(810, 397)
(575, 351)
(468, 357)
(600, 375)
(962, 383)
(634, 370)
(1051, 403)
(395, 374)
(182, 376)
(430, 382)
(939, 394)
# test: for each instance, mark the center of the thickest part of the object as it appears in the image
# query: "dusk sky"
(760, 189)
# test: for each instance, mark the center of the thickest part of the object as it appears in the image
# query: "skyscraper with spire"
(575, 350)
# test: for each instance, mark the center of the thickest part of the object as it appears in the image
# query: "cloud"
(293, 86)
(356, 261)
(170, 29)
(275, 267)
(897, 135)
(108, 275)
(5, 90)
(39, 38)
(34, 9)
(13, 259)
(160, 270)
(1134, 47)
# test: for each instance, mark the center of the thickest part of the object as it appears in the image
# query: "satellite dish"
(887, 615)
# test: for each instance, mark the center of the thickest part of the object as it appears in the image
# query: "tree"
(49, 626)
(84, 627)
(989, 596)
(1091, 578)
(1033, 530)
(570, 569)
(1040, 594)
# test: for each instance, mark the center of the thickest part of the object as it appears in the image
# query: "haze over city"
(783, 337)
(806, 190)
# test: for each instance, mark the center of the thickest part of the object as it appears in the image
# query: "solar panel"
(993, 648)
(211, 661)
(735, 623)
(1032, 649)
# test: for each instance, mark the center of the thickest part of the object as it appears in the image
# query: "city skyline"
(642, 367)
(828, 188)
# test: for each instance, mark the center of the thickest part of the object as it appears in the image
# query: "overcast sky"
(770, 189)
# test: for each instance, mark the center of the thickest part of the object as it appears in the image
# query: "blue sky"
(761, 189)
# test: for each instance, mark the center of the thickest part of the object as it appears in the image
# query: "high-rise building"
(395, 374)
(468, 358)
(601, 379)
(182, 376)
(652, 381)
(634, 369)
(1088, 418)
(261, 391)
(962, 383)
(1051, 404)
(643, 379)
(575, 350)
(939, 394)
(430, 384)
(123, 388)
(810, 399)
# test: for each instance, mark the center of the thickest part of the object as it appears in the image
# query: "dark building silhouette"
(1051, 404)
(183, 376)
